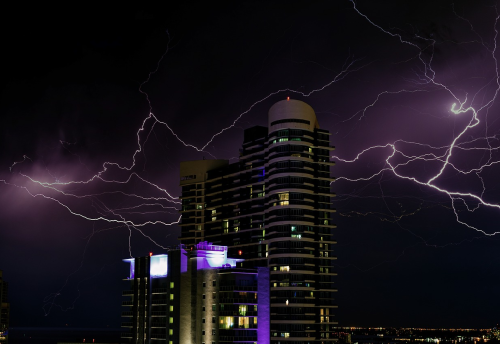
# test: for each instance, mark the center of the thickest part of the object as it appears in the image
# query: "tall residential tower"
(273, 208)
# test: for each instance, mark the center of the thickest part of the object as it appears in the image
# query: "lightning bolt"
(396, 149)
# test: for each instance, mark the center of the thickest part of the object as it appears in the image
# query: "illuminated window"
(244, 322)
(226, 322)
(171, 285)
(283, 139)
(171, 296)
(214, 218)
(214, 211)
(236, 229)
(294, 229)
(171, 332)
(198, 227)
(171, 308)
(199, 206)
(171, 320)
(284, 268)
(284, 196)
(243, 310)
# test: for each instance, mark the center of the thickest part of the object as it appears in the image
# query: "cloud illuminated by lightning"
(460, 108)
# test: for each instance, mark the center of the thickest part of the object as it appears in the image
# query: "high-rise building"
(195, 296)
(4, 309)
(273, 208)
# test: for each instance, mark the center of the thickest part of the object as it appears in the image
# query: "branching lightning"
(396, 150)
(63, 193)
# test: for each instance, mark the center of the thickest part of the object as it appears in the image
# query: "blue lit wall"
(158, 266)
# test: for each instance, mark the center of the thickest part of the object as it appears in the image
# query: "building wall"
(4, 309)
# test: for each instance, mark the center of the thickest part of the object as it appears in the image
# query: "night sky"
(72, 100)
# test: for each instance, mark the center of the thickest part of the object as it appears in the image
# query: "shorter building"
(196, 296)
(4, 310)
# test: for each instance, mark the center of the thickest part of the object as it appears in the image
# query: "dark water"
(38, 335)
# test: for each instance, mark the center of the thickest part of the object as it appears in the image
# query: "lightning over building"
(273, 209)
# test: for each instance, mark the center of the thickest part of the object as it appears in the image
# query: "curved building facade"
(273, 208)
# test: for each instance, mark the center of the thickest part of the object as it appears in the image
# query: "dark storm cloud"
(76, 78)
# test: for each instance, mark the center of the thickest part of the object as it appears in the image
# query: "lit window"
(171, 332)
(226, 322)
(284, 268)
(171, 320)
(243, 310)
(244, 322)
(199, 206)
(284, 196)
(214, 218)
(171, 296)
(171, 285)
(171, 308)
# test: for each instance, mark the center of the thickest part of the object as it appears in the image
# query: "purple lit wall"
(263, 307)
(213, 256)
(132, 267)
